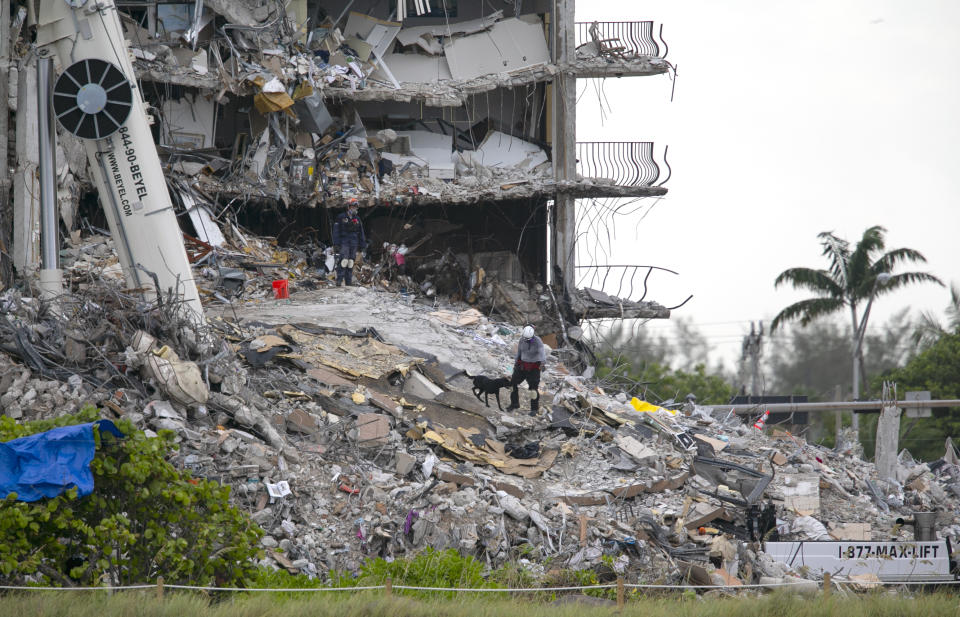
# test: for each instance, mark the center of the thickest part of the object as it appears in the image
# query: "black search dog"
(487, 386)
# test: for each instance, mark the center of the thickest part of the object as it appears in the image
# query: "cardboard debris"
(359, 357)
(717, 445)
(489, 451)
(269, 102)
(327, 376)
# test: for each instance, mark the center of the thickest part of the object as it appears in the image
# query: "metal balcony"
(620, 283)
(624, 40)
(625, 163)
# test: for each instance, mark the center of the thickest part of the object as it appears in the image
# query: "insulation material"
(509, 45)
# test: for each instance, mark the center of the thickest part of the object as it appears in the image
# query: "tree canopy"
(850, 278)
(936, 369)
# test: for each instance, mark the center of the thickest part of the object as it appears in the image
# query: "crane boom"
(96, 98)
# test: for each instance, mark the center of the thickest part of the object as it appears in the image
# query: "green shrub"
(429, 568)
(144, 519)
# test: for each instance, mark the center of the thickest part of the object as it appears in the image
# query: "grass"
(375, 604)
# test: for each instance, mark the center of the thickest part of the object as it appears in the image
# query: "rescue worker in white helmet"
(348, 238)
(531, 354)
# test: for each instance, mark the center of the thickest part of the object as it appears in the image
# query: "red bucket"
(281, 290)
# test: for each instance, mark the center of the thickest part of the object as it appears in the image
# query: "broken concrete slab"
(302, 422)
(372, 430)
(404, 463)
(416, 384)
(801, 492)
(636, 449)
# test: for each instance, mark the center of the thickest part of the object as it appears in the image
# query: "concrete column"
(565, 142)
(51, 279)
(26, 182)
(888, 441)
(837, 416)
(6, 212)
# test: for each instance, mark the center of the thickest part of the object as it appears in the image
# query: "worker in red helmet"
(531, 354)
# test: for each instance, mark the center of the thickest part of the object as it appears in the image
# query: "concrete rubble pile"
(344, 421)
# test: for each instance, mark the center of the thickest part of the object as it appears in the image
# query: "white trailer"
(894, 561)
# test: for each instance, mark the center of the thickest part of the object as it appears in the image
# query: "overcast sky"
(789, 118)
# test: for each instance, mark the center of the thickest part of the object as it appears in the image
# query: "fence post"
(159, 587)
(619, 593)
(827, 583)
(388, 587)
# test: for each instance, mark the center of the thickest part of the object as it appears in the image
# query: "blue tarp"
(48, 463)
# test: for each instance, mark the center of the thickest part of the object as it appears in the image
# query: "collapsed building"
(345, 426)
(451, 126)
(343, 418)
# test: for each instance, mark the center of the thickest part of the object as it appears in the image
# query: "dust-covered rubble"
(345, 424)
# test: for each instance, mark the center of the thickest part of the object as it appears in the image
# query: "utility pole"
(752, 348)
(881, 279)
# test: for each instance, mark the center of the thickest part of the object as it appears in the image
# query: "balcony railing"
(620, 39)
(626, 163)
(620, 284)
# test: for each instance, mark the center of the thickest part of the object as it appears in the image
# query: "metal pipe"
(49, 245)
(828, 406)
(924, 526)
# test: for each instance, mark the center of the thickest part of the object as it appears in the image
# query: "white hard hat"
(527, 332)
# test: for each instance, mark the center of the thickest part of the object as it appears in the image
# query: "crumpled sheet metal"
(465, 443)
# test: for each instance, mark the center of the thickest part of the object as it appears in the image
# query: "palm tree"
(850, 281)
(929, 329)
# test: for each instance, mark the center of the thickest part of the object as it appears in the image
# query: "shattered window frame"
(149, 7)
(438, 8)
(162, 32)
(154, 23)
